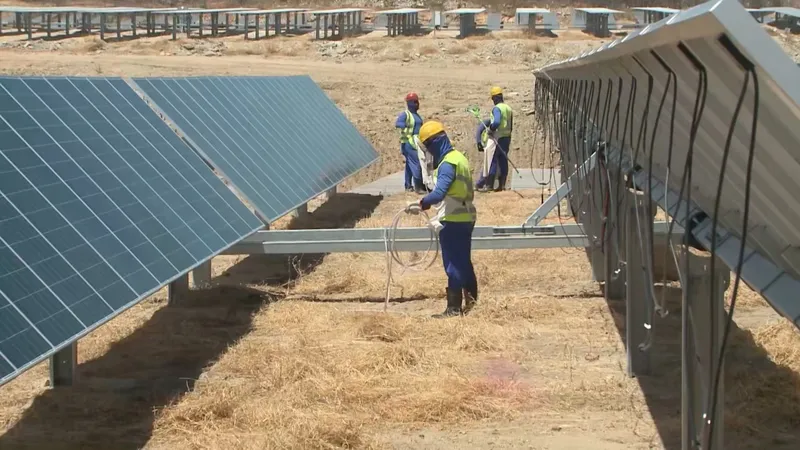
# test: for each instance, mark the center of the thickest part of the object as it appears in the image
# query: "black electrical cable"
(749, 69)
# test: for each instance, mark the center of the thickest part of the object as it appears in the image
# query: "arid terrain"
(297, 353)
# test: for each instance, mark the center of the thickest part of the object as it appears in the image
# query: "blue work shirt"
(439, 147)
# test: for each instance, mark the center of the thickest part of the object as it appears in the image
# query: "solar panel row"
(101, 203)
(280, 140)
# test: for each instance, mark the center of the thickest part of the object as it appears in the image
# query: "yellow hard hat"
(430, 129)
(496, 90)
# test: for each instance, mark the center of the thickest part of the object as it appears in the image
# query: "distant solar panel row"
(101, 204)
(280, 140)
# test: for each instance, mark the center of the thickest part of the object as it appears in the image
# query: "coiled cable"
(394, 256)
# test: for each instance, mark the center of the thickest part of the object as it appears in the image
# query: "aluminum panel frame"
(774, 205)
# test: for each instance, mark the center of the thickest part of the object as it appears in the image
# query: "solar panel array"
(279, 140)
(101, 204)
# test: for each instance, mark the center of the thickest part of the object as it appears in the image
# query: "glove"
(424, 206)
(480, 147)
(413, 208)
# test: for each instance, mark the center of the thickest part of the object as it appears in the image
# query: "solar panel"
(101, 204)
(279, 140)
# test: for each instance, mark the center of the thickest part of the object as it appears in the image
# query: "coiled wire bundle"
(421, 262)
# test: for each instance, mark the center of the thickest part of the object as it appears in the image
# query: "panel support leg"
(63, 366)
(638, 299)
(201, 275)
(330, 193)
(614, 247)
(178, 290)
(301, 211)
(703, 323)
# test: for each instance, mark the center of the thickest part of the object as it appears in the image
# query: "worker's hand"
(424, 206)
(413, 208)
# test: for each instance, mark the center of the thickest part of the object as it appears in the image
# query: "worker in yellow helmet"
(500, 127)
(455, 218)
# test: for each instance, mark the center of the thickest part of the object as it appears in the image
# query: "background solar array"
(101, 204)
(279, 140)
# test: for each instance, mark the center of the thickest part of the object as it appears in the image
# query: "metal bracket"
(566, 187)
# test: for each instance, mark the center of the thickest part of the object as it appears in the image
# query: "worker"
(455, 218)
(501, 127)
(487, 147)
(409, 123)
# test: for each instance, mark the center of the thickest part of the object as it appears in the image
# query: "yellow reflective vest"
(506, 121)
(407, 133)
(457, 205)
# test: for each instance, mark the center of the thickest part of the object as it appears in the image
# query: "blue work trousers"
(499, 167)
(413, 176)
(455, 239)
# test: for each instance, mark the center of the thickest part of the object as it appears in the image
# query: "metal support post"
(177, 290)
(277, 24)
(258, 25)
(119, 27)
(246, 25)
(301, 211)
(102, 27)
(703, 304)
(330, 193)
(201, 275)
(614, 244)
(63, 366)
(49, 24)
(288, 24)
(325, 23)
(200, 24)
(133, 24)
(174, 27)
(638, 296)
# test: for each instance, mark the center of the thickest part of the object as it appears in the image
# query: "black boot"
(470, 298)
(454, 299)
(501, 185)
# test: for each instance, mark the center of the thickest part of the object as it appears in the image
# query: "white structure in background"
(466, 19)
(527, 18)
(580, 16)
(647, 15)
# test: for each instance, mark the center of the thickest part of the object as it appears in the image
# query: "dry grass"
(324, 368)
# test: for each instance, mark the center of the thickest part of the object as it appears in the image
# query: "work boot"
(501, 185)
(470, 298)
(487, 186)
(454, 299)
(420, 190)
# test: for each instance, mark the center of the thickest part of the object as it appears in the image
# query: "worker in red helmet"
(409, 122)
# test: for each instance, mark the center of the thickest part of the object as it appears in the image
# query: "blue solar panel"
(101, 204)
(279, 140)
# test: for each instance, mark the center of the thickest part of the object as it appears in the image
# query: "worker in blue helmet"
(500, 127)
(455, 216)
(409, 123)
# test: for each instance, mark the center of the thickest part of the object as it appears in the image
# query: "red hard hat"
(412, 96)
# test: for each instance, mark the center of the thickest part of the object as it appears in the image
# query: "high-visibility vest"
(457, 205)
(506, 121)
(407, 133)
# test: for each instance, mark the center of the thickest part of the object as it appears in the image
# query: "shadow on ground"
(342, 211)
(762, 399)
(115, 401)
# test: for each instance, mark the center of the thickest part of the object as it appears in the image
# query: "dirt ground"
(296, 353)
